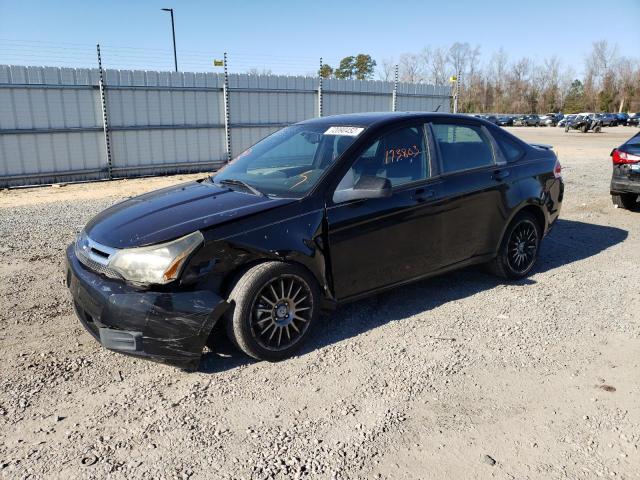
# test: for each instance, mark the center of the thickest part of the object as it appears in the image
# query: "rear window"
(510, 148)
(633, 145)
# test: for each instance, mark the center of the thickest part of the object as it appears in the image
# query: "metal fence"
(66, 124)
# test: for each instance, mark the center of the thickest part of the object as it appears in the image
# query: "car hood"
(172, 212)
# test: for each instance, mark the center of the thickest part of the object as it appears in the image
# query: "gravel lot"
(460, 376)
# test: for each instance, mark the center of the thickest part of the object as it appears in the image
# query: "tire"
(597, 129)
(524, 228)
(566, 128)
(584, 129)
(628, 201)
(271, 317)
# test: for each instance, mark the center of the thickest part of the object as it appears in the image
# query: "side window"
(510, 148)
(462, 146)
(400, 156)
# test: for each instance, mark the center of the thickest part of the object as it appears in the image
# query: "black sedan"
(625, 181)
(319, 213)
(505, 121)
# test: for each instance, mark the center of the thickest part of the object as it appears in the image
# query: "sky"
(287, 36)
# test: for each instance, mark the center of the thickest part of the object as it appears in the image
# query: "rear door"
(475, 184)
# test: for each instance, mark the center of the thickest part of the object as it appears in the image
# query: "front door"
(384, 241)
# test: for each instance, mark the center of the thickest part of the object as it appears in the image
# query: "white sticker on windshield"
(346, 131)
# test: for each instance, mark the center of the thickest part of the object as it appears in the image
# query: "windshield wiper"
(251, 188)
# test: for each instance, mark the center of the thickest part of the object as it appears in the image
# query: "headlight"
(158, 264)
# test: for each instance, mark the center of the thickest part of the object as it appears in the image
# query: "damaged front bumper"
(168, 327)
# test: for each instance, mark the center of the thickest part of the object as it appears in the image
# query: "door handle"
(500, 174)
(421, 194)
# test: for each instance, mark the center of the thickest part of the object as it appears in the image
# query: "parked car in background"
(566, 118)
(625, 181)
(608, 119)
(505, 121)
(491, 118)
(319, 213)
(622, 118)
(634, 119)
(548, 120)
(527, 121)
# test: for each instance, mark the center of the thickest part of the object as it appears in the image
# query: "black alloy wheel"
(518, 250)
(275, 305)
(281, 312)
(522, 246)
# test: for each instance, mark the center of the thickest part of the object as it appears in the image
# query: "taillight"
(557, 170)
(620, 158)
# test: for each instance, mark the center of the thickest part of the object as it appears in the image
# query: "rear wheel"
(519, 248)
(628, 201)
(276, 304)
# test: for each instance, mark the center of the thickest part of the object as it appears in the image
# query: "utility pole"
(456, 90)
(394, 94)
(173, 29)
(320, 89)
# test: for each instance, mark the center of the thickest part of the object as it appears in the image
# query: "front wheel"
(597, 129)
(628, 201)
(519, 248)
(275, 305)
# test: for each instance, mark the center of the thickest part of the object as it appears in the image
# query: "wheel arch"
(233, 276)
(532, 208)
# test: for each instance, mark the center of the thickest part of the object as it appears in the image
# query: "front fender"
(297, 237)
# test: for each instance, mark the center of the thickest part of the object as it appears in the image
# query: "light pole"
(173, 29)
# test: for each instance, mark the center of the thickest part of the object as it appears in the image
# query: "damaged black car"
(322, 212)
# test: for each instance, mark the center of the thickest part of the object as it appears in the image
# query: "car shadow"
(569, 241)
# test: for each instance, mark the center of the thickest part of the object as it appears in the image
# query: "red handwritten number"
(392, 155)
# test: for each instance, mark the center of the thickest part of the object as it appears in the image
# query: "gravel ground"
(460, 376)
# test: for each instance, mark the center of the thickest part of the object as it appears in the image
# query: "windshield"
(290, 161)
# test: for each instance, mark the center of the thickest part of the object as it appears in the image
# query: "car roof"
(380, 118)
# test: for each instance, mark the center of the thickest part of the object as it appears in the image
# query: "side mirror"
(365, 187)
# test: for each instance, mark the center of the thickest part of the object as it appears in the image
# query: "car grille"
(95, 256)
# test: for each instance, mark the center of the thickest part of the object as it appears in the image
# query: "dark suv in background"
(634, 119)
(608, 119)
(625, 181)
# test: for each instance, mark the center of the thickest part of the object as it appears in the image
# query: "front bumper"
(167, 327)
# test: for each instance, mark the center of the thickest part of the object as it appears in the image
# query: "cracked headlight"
(157, 264)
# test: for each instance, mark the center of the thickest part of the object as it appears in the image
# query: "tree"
(360, 67)
(257, 71)
(409, 68)
(325, 71)
(346, 68)
(435, 63)
(574, 103)
(388, 70)
(610, 82)
(364, 66)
